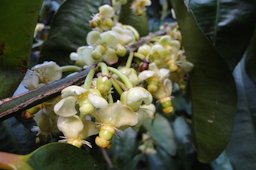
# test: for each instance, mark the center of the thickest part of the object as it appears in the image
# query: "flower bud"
(103, 84)
(144, 49)
(107, 132)
(106, 11)
(93, 38)
(101, 142)
(121, 50)
(166, 104)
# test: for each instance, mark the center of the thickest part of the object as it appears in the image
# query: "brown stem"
(10, 106)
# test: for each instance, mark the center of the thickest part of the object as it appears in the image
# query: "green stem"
(123, 77)
(104, 68)
(110, 98)
(70, 68)
(88, 80)
(117, 87)
(129, 61)
(140, 56)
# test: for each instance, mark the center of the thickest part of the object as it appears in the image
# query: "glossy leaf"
(140, 23)
(57, 156)
(228, 24)
(212, 88)
(162, 133)
(250, 59)
(69, 29)
(18, 20)
(241, 149)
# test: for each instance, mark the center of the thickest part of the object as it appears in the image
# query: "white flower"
(83, 56)
(42, 74)
(135, 97)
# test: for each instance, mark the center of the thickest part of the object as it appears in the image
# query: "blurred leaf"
(18, 20)
(140, 23)
(69, 28)
(212, 87)
(250, 59)
(55, 156)
(241, 149)
(124, 148)
(160, 161)
(229, 25)
(15, 138)
(162, 134)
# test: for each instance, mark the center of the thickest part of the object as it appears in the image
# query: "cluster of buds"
(105, 44)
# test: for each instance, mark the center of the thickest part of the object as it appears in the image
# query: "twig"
(107, 159)
(10, 106)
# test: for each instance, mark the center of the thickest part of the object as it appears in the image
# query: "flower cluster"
(113, 99)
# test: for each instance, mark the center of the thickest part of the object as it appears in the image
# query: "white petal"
(72, 91)
(146, 74)
(48, 71)
(70, 126)
(66, 107)
(136, 96)
(97, 101)
(164, 73)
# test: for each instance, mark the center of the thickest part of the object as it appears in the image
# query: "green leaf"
(241, 149)
(59, 156)
(228, 24)
(69, 28)
(140, 23)
(55, 156)
(213, 92)
(18, 20)
(162, 134)
(250, 59)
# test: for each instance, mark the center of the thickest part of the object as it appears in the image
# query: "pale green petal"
(97, 101)
(109, 39)
(137, 96)
(71, 127)
(66, 107)
(110, 56)
(146, 74)
(90, 128)
(48, 71)
(93, 38)
(131, 74)
(117, 115)
(72, 91)
(164, 73)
